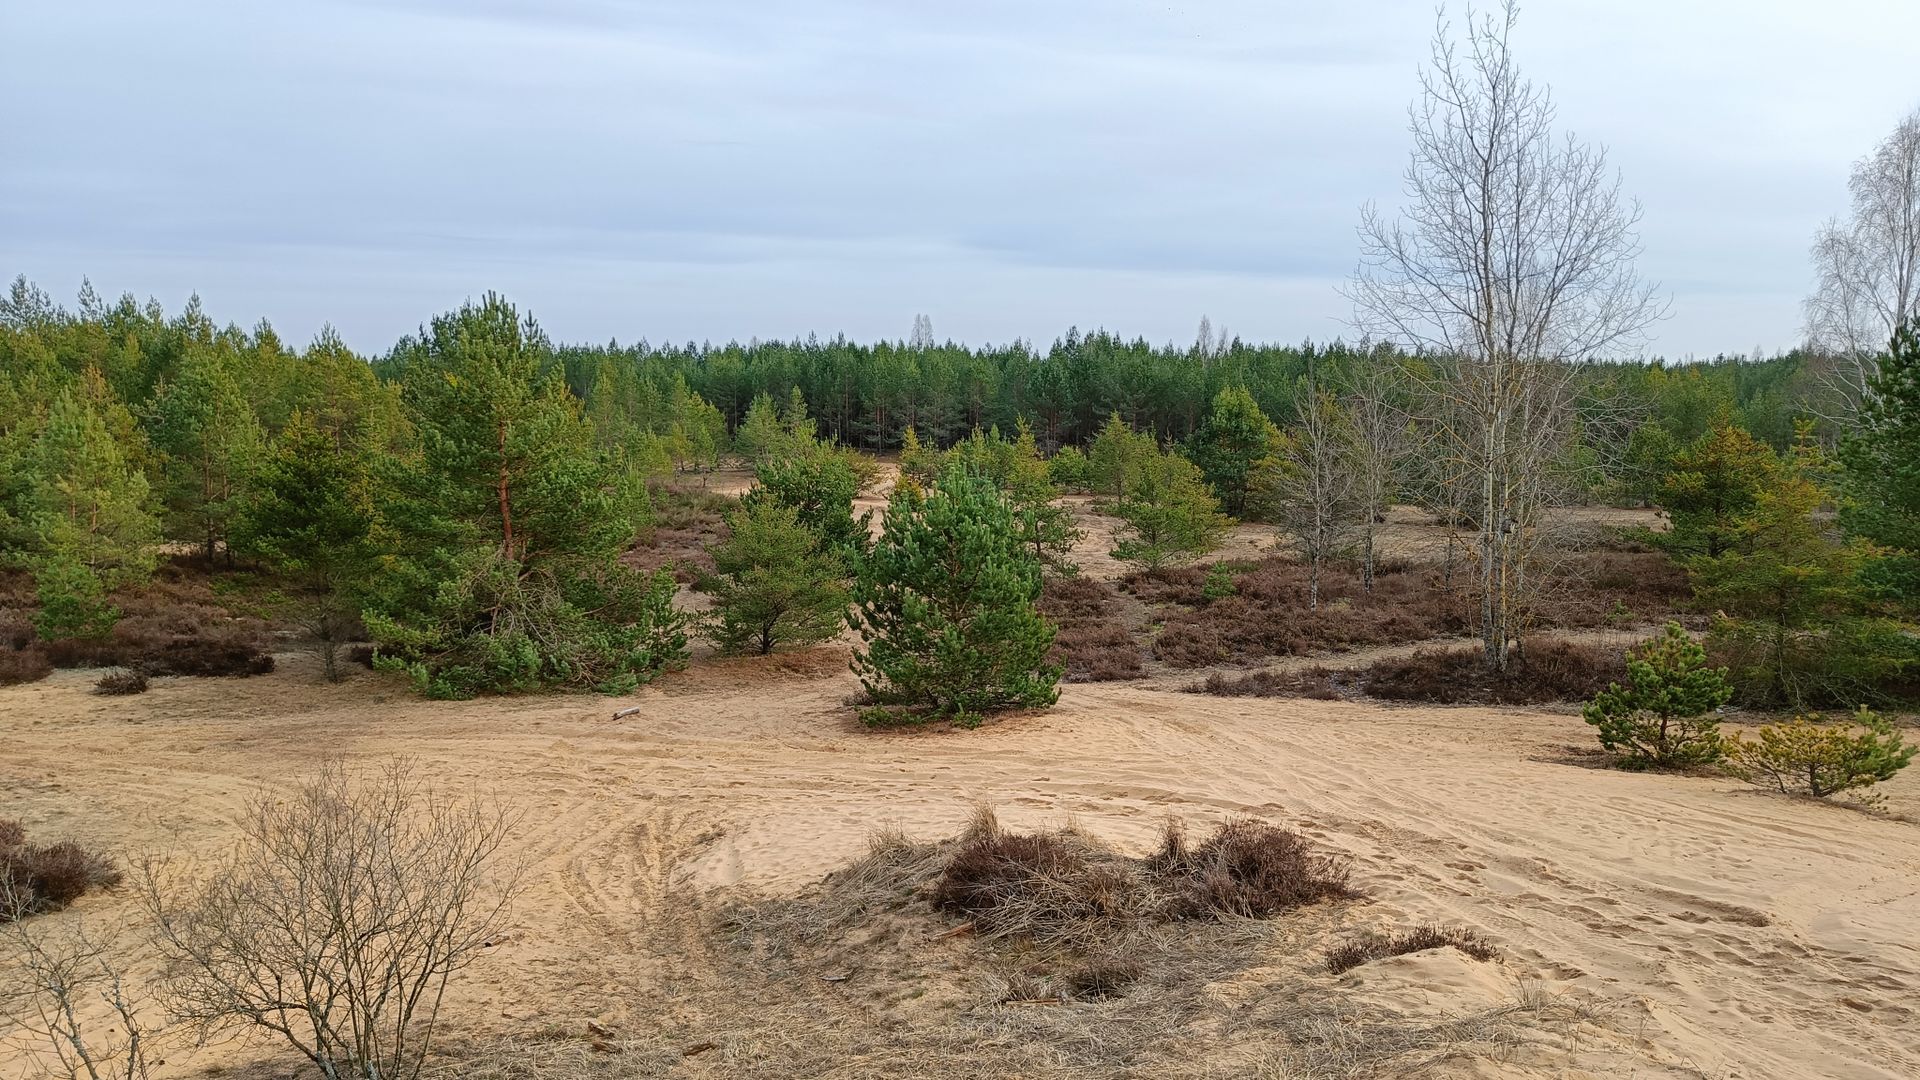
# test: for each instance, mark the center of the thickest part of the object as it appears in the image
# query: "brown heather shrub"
(1543, 672)
(46, 877)
(1373, 947)
(1319, 683)
(23, 666)
(125, 681)
(1092, 643)
(686, 526)
(1247, 868)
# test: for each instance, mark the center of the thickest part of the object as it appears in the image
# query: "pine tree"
(1235, 435)
(1882, 459)
(1662, 718)
(774, 583)
(211, 441)
(1116, 457)
(310, 517)
(1169, 513)
(946, 605)
(1711, 485)
(760, 436)
(505, 529)
(83, 503)
(819, 487)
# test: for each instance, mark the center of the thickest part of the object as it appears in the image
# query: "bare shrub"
(50, 995)
(23, 666)
(47, 877)
(1545, 671)
(124, 681)
(338, 918)
(1373, 947)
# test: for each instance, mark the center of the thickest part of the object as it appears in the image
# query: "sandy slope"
(1739, 935)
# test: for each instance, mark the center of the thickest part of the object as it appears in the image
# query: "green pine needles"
(946, 603)
(1663, 718)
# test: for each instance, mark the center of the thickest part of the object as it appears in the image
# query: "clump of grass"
(1067, 887)
(46, 877)
(1373, 947)
(124, 681)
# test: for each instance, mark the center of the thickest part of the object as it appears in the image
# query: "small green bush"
(1219, 584)
(1662, 718)
(1809, 757)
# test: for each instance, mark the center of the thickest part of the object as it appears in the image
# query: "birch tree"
(1378, 433)
(1867, 268)
(1511, 262)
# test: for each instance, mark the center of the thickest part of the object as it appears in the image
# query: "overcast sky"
(715, 169)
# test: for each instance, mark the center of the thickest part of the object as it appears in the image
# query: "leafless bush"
(23, 665)
(46, 877)
(338, 918)
(1373, 947)
(55, 978)
(122, 682)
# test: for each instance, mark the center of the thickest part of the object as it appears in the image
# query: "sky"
(727, 169)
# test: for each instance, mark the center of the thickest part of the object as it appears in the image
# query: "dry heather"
(176, 624)
(1093, 643)
(1545, 671)
(46, 877)
(1269, 613)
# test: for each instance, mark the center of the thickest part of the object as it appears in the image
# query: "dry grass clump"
(1093, 644)
(1373, 947)
(124, 681)
(1067, 887)
(46, 877)
(1319, 683)
(1543, 672)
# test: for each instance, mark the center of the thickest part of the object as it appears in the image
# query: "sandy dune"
(1731, 934)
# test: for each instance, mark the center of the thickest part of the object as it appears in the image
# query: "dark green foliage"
(1662, 718)
(1882, 459)
(946, 605)
(819, 486)
(72, 602)
(505, 530)
(1235, 435)
(1809, 757)
(774, 583)
(211, 442)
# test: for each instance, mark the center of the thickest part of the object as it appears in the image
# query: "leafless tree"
(1313, 489)
(1511, 262)
(922, 333)
(337, 919)
(1378, 432)
(1867, 268)
(1203, 341)
(62, 991)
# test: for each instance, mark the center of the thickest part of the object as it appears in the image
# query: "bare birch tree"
(1378, 432)
(1313, 494)
(1867, 269)
(1511, 263)
(70, 1000)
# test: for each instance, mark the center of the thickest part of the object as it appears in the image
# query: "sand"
(1728, 933)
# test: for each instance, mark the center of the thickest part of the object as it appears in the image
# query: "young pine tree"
(1169, 514)
(946, 605)
(1663, 717)
(1711, 485)
(1117, 456)
(84, 518)
(1235, 435)
(310, 517)
(774, 583)
(1882, 479)
(503, 532)
(211, 442)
